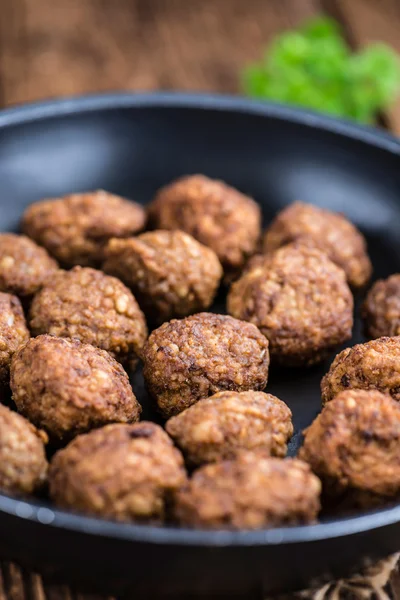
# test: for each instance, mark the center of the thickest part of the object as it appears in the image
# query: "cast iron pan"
(132, 145)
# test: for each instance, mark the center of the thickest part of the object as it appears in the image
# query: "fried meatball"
(94, 308)
(374, 365)
(329, 231)
(75, 228)
(67, 387)
(170, 273)
(300, 301)
(381, 309)
(23, 464)
(24, 266)
(250, 492)
(193, 358)
(125, 472)
(214, 213)
(13, 332)
(218, 427)
(354, 445)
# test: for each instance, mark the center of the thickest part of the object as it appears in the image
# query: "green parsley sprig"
(314, 67)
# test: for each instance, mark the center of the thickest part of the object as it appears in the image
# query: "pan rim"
(44, 514)
(70, 105)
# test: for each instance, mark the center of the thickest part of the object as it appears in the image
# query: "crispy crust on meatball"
(381, 309)
(218, 427)
(374, 365)
(193, 358)
(300, 301)
(354, 446)
(250, 492)
(329, 231)
(92, 307)
(126, 472)
(13, 332)
(23, 464)
(75, 228)
(68, 388)
(24, 266)
(217, 215)
(170, 273)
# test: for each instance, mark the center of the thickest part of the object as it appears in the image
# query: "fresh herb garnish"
(315, 68)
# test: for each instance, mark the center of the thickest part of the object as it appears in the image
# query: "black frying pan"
(131, 145)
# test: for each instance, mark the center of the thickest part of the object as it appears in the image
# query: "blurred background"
(52, 48)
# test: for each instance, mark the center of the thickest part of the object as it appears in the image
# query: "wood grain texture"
(373, 584)
(71, 47)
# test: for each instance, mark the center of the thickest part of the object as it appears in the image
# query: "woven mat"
(379, 582)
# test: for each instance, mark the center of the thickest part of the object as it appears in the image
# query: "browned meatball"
(214, 213)
(354, 445)
(13, 332)
(193, 358)
(24, 266)
(68, 388)
(250, 492)
(170, 273)
(300, 301)
(94, 308)
(329, 231)
(219, 427)
(125, 472)
(76, 228)
(374, 365)
(381, 309)
(23, 464)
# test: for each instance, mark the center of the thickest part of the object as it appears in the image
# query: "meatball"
(329, 231)
(170, 273)
(126, 472)
(94, 308)
(23, 464)
(354, 446)
(24, 266)
(252, 491)
(299, 300)
(214, 213)
(381, 309)
(13, 332)
(67, 387)
(218, 427)
(193, 358)
(75, 228)
(374, 365)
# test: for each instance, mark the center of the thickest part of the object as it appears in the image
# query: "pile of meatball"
(90, 276)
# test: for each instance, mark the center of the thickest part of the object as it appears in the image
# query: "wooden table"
(61, 47)
(54, 48)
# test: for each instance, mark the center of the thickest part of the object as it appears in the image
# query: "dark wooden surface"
(53, 48)
(50, 48)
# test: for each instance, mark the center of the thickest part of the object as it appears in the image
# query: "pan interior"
(133, 150)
